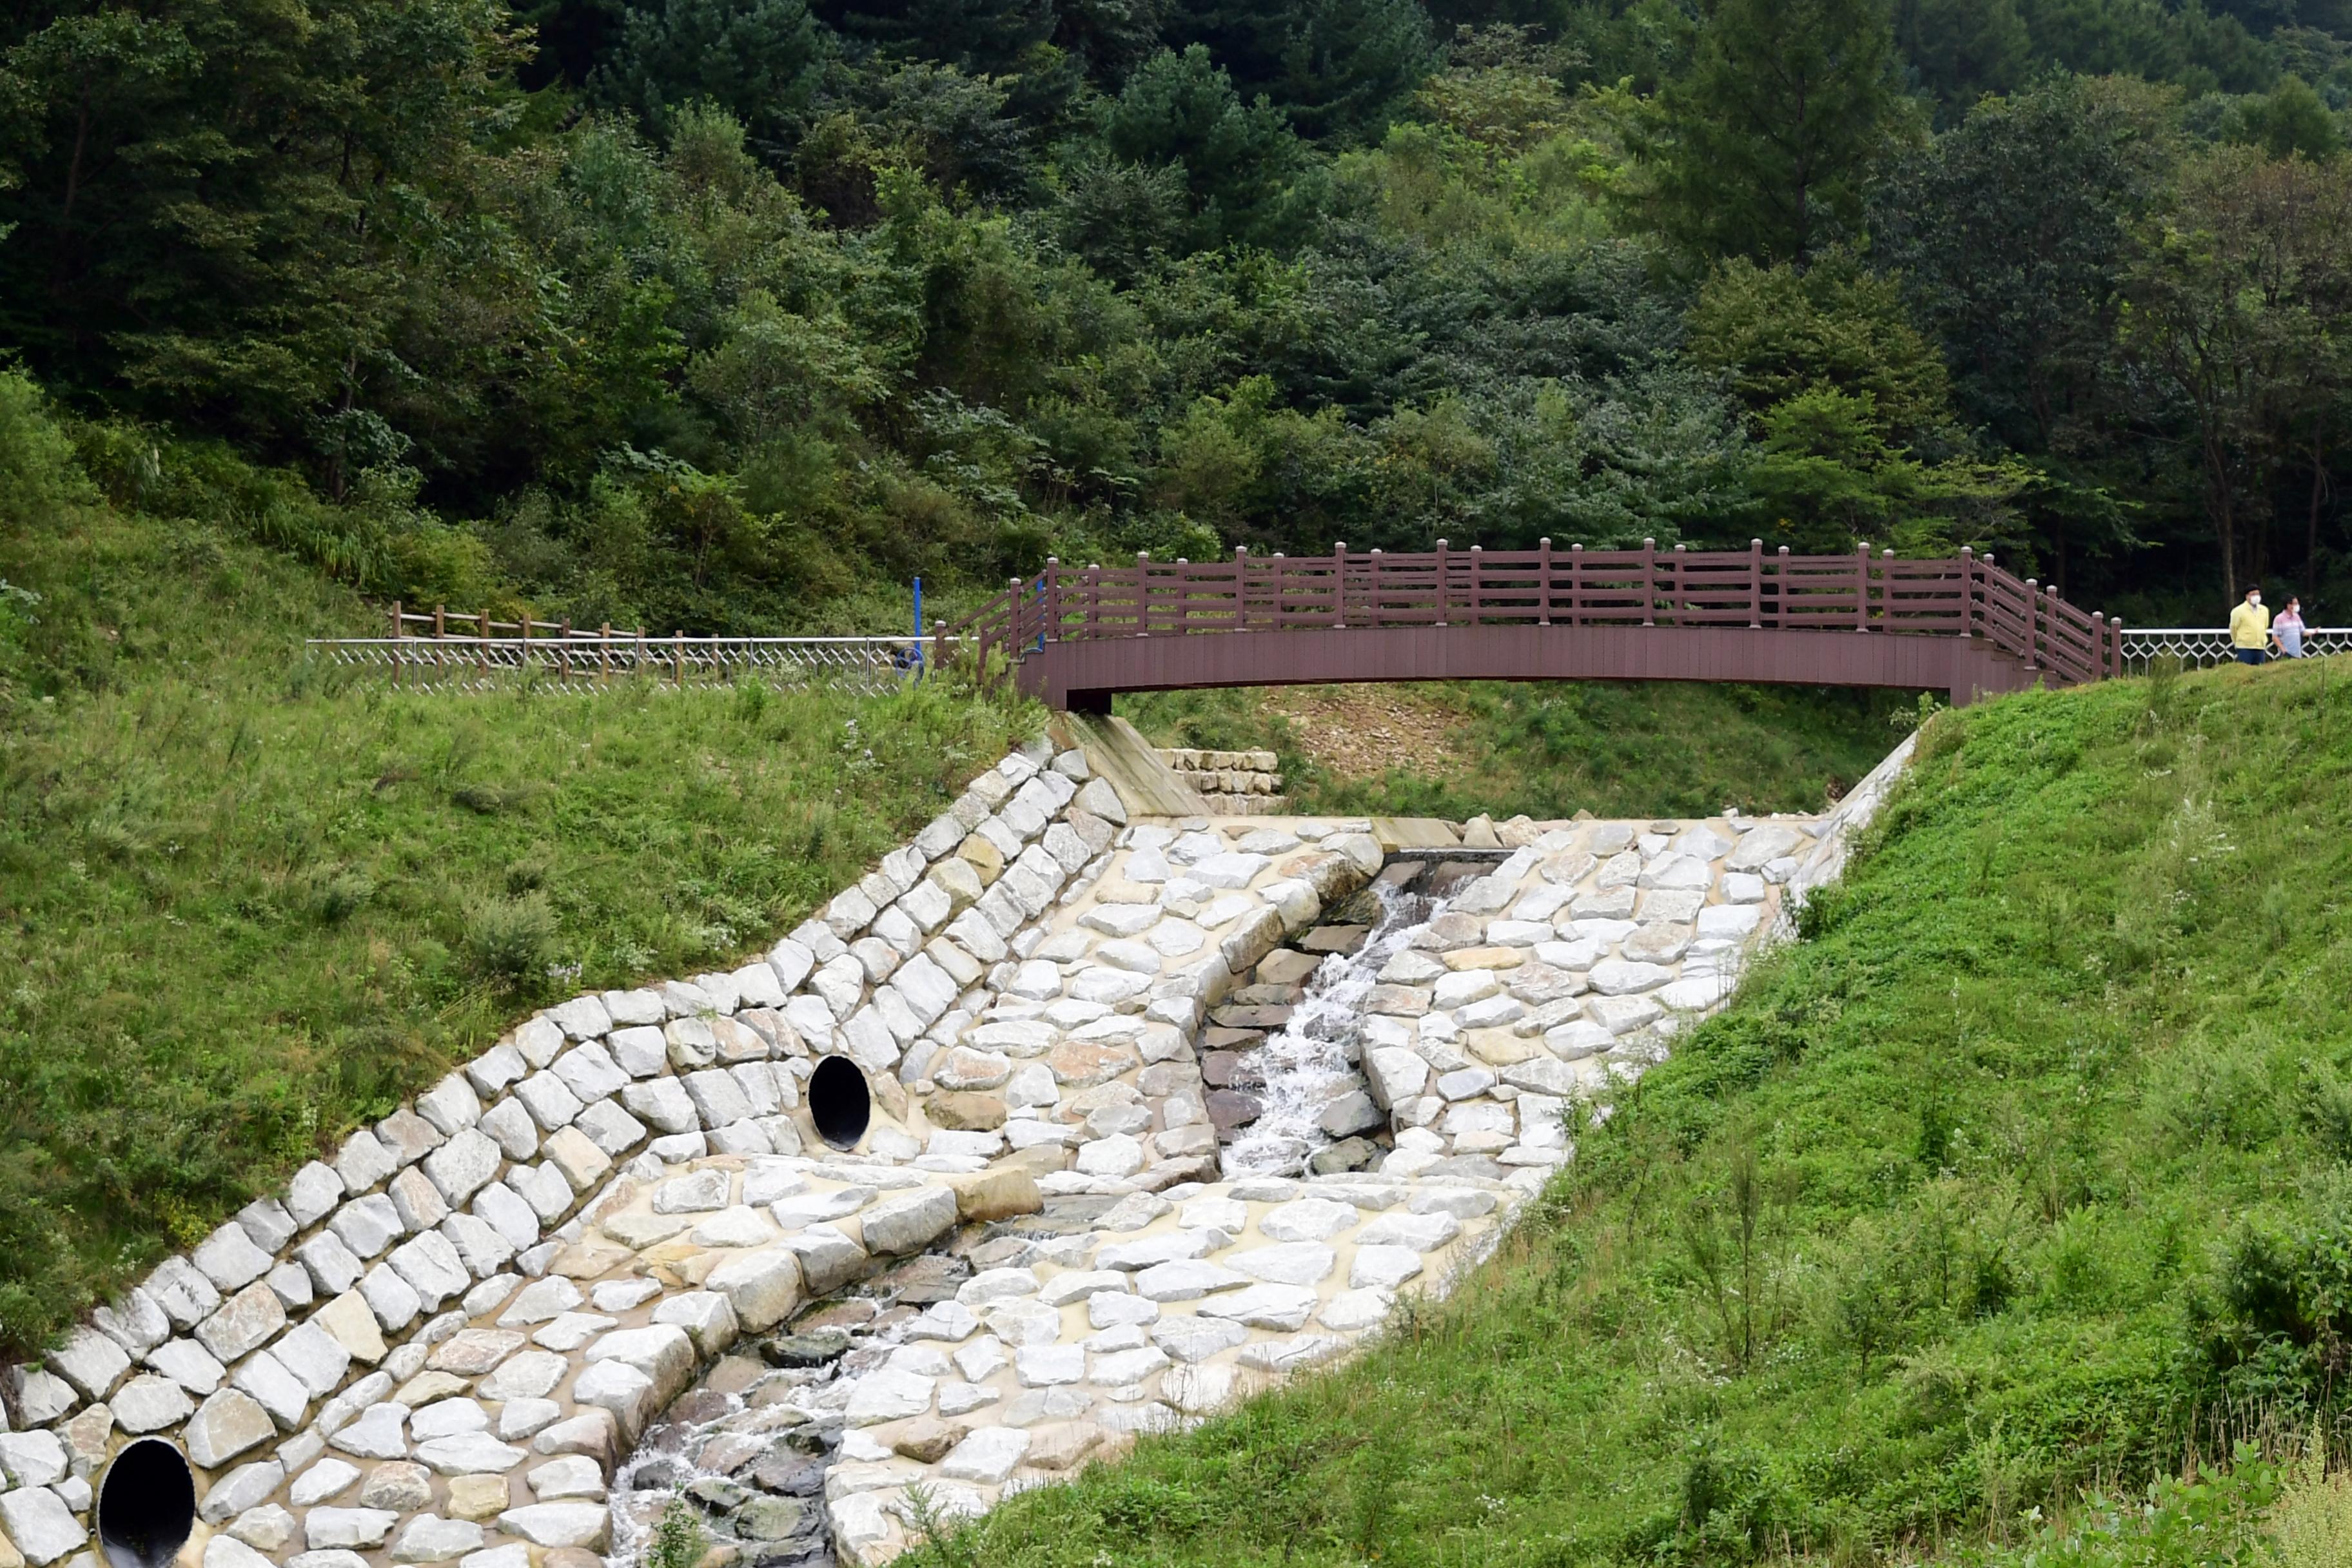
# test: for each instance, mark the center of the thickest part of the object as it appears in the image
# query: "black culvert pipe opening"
(146, 1505)
(839, 1102)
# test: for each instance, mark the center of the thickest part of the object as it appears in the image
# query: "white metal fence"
(2196, 646)
(585, 662)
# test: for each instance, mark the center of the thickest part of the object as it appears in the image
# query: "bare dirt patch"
(1363, 731)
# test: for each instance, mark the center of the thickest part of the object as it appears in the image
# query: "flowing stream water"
(1312, 1061)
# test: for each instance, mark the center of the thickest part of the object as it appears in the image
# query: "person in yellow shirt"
(2249, 630)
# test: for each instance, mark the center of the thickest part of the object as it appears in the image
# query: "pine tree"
(1761, 146)
(758, 60)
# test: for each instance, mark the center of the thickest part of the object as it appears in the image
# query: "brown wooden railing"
(1966, 595)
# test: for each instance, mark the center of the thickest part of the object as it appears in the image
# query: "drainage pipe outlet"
(839, 1102)
(146, 1505)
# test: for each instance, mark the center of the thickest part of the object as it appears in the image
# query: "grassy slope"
(1617, 748)
(244, 905)
(2037, 1149)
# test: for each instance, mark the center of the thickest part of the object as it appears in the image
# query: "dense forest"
(725, 314)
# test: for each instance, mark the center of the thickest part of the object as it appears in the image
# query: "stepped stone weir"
(954, 1190)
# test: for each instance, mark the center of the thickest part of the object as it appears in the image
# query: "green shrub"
(679, 1540)
(39, 473)
(511, 940)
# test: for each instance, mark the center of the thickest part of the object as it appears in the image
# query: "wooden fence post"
(1477, 588)
(1444, 593)
(2032, 623)
(1576, 585)
(1755, 583)
(440, 629)
(1241, 588)
(1649, 582)
(1861, 586)
(1682, 590)
(605, 654)
(1543, 581)
(1340, 584)
(1373, 586)
(1142, 592)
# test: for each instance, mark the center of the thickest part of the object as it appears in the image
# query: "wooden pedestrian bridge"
(1074, 636)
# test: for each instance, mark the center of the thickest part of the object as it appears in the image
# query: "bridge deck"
(1960, 626)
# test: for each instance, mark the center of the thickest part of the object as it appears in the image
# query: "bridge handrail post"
(1576, 585)
(1755, 583)
(1281, 591)
(1649, 582)
(1441, 595)
(1143, 592)
(2115, 646)
(1241, 588)
(1339, 585)
(1861, 586)
(1781, 589)
(1478, 592)
(1680, 599)
(2032, 623)
(1543, 581)
(1967, 589)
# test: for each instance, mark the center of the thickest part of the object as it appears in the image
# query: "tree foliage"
(725, 315)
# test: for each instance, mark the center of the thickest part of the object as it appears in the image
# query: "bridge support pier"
(1096, 701)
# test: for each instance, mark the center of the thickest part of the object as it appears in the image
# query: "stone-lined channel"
(611, 1259)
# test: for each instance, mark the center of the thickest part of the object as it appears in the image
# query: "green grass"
(246, 903)
(2026, 1175)
(1614, 748)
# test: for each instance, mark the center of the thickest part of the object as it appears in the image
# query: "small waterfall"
(1306, 1066)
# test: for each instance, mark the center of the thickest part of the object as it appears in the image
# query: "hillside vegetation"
(2030, 1173)
(1458, 749)
(726, 314)
(245, 903)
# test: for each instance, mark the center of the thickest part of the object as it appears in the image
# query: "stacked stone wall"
(1233, 784)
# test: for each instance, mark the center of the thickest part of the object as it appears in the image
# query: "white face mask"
(2256, 599)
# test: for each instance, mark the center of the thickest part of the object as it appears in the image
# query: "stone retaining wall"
(1231, 784)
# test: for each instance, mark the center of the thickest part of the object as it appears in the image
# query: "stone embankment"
(1231, 784)
(931, 1197)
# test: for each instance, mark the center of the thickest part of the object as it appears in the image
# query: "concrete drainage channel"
(1067, 1125)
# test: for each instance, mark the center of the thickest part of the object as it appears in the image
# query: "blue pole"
(919, 622)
